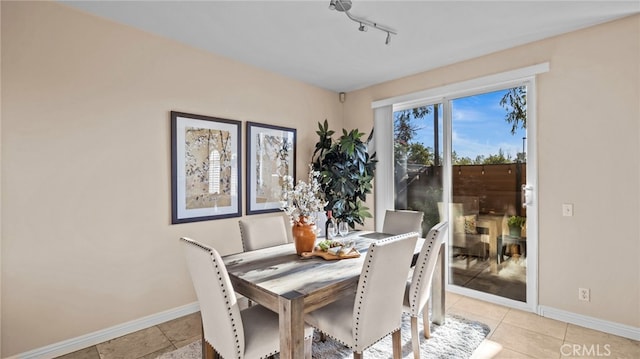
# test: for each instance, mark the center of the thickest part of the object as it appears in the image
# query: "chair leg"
(357, 355)
(308, 342)
(208, 352)
(426, 323)
(415, 338)
(323, 337)
(207, 349)
(396, 340)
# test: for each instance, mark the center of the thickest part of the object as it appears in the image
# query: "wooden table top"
(280, 270)
(266, 274)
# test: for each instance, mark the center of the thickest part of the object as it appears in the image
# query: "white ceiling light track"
(345, 6)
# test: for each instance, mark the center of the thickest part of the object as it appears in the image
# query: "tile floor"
(147, 343)
(514, 334)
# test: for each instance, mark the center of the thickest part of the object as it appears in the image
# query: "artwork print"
(270, 157)
(205, 168)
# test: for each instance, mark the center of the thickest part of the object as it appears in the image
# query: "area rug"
(456, 339)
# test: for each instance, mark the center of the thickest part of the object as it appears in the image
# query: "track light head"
(388, 40)
(362, 28)
(340, 5)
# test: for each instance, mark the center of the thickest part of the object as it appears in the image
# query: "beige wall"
(588, 147)
(86, 234)
(85, 172)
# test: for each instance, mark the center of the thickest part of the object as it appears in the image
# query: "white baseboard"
(87, 340)
(618, 329)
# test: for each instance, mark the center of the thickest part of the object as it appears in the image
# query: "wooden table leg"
(438, 289)
(291, 314)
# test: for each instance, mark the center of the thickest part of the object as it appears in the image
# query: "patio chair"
(418, 288)
(470, 236)
(231, 332)
(375, 309)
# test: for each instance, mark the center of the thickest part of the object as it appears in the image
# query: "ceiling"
(305, 40)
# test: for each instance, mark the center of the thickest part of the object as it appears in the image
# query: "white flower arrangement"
(303, 200)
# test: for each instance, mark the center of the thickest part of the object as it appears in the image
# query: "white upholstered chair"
(401, 221)
(375, 309)
(262, 232)
(250, 333)
(418, 288)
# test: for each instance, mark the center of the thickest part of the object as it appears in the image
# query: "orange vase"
(304, 235)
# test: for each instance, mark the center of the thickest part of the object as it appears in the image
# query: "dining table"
(292, 285)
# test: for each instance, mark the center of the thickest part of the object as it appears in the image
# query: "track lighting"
(345, 6)
(340, 5)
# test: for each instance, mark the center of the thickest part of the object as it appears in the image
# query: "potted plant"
(301, 201)
(515, 224)
(346, 171)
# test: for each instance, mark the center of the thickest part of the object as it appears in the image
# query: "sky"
(479, 127)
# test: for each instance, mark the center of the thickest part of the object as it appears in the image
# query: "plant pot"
(304, 236)
(515, 231)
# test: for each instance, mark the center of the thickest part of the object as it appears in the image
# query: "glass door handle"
(525, 195)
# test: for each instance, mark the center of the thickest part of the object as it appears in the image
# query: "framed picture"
(205, 168)
(271, 155)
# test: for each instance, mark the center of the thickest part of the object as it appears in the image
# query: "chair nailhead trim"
(414, 295)
(227, 302)
(221, 283)
(244, 247)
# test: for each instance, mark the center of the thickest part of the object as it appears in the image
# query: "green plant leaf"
(346, 170)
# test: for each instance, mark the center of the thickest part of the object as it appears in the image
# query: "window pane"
(418, 161)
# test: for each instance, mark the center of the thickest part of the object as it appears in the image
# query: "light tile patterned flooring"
(514, 334)
(147, 343)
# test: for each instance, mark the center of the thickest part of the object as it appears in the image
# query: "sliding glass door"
(488, 239)
(464, 159)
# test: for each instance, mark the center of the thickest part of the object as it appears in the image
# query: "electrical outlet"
(583, 294)
(567, 209)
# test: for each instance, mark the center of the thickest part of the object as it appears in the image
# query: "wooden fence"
(484, 189)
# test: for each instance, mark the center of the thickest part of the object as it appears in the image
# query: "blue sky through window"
(479, 127)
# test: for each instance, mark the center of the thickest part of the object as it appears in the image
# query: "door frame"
(383, 121)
